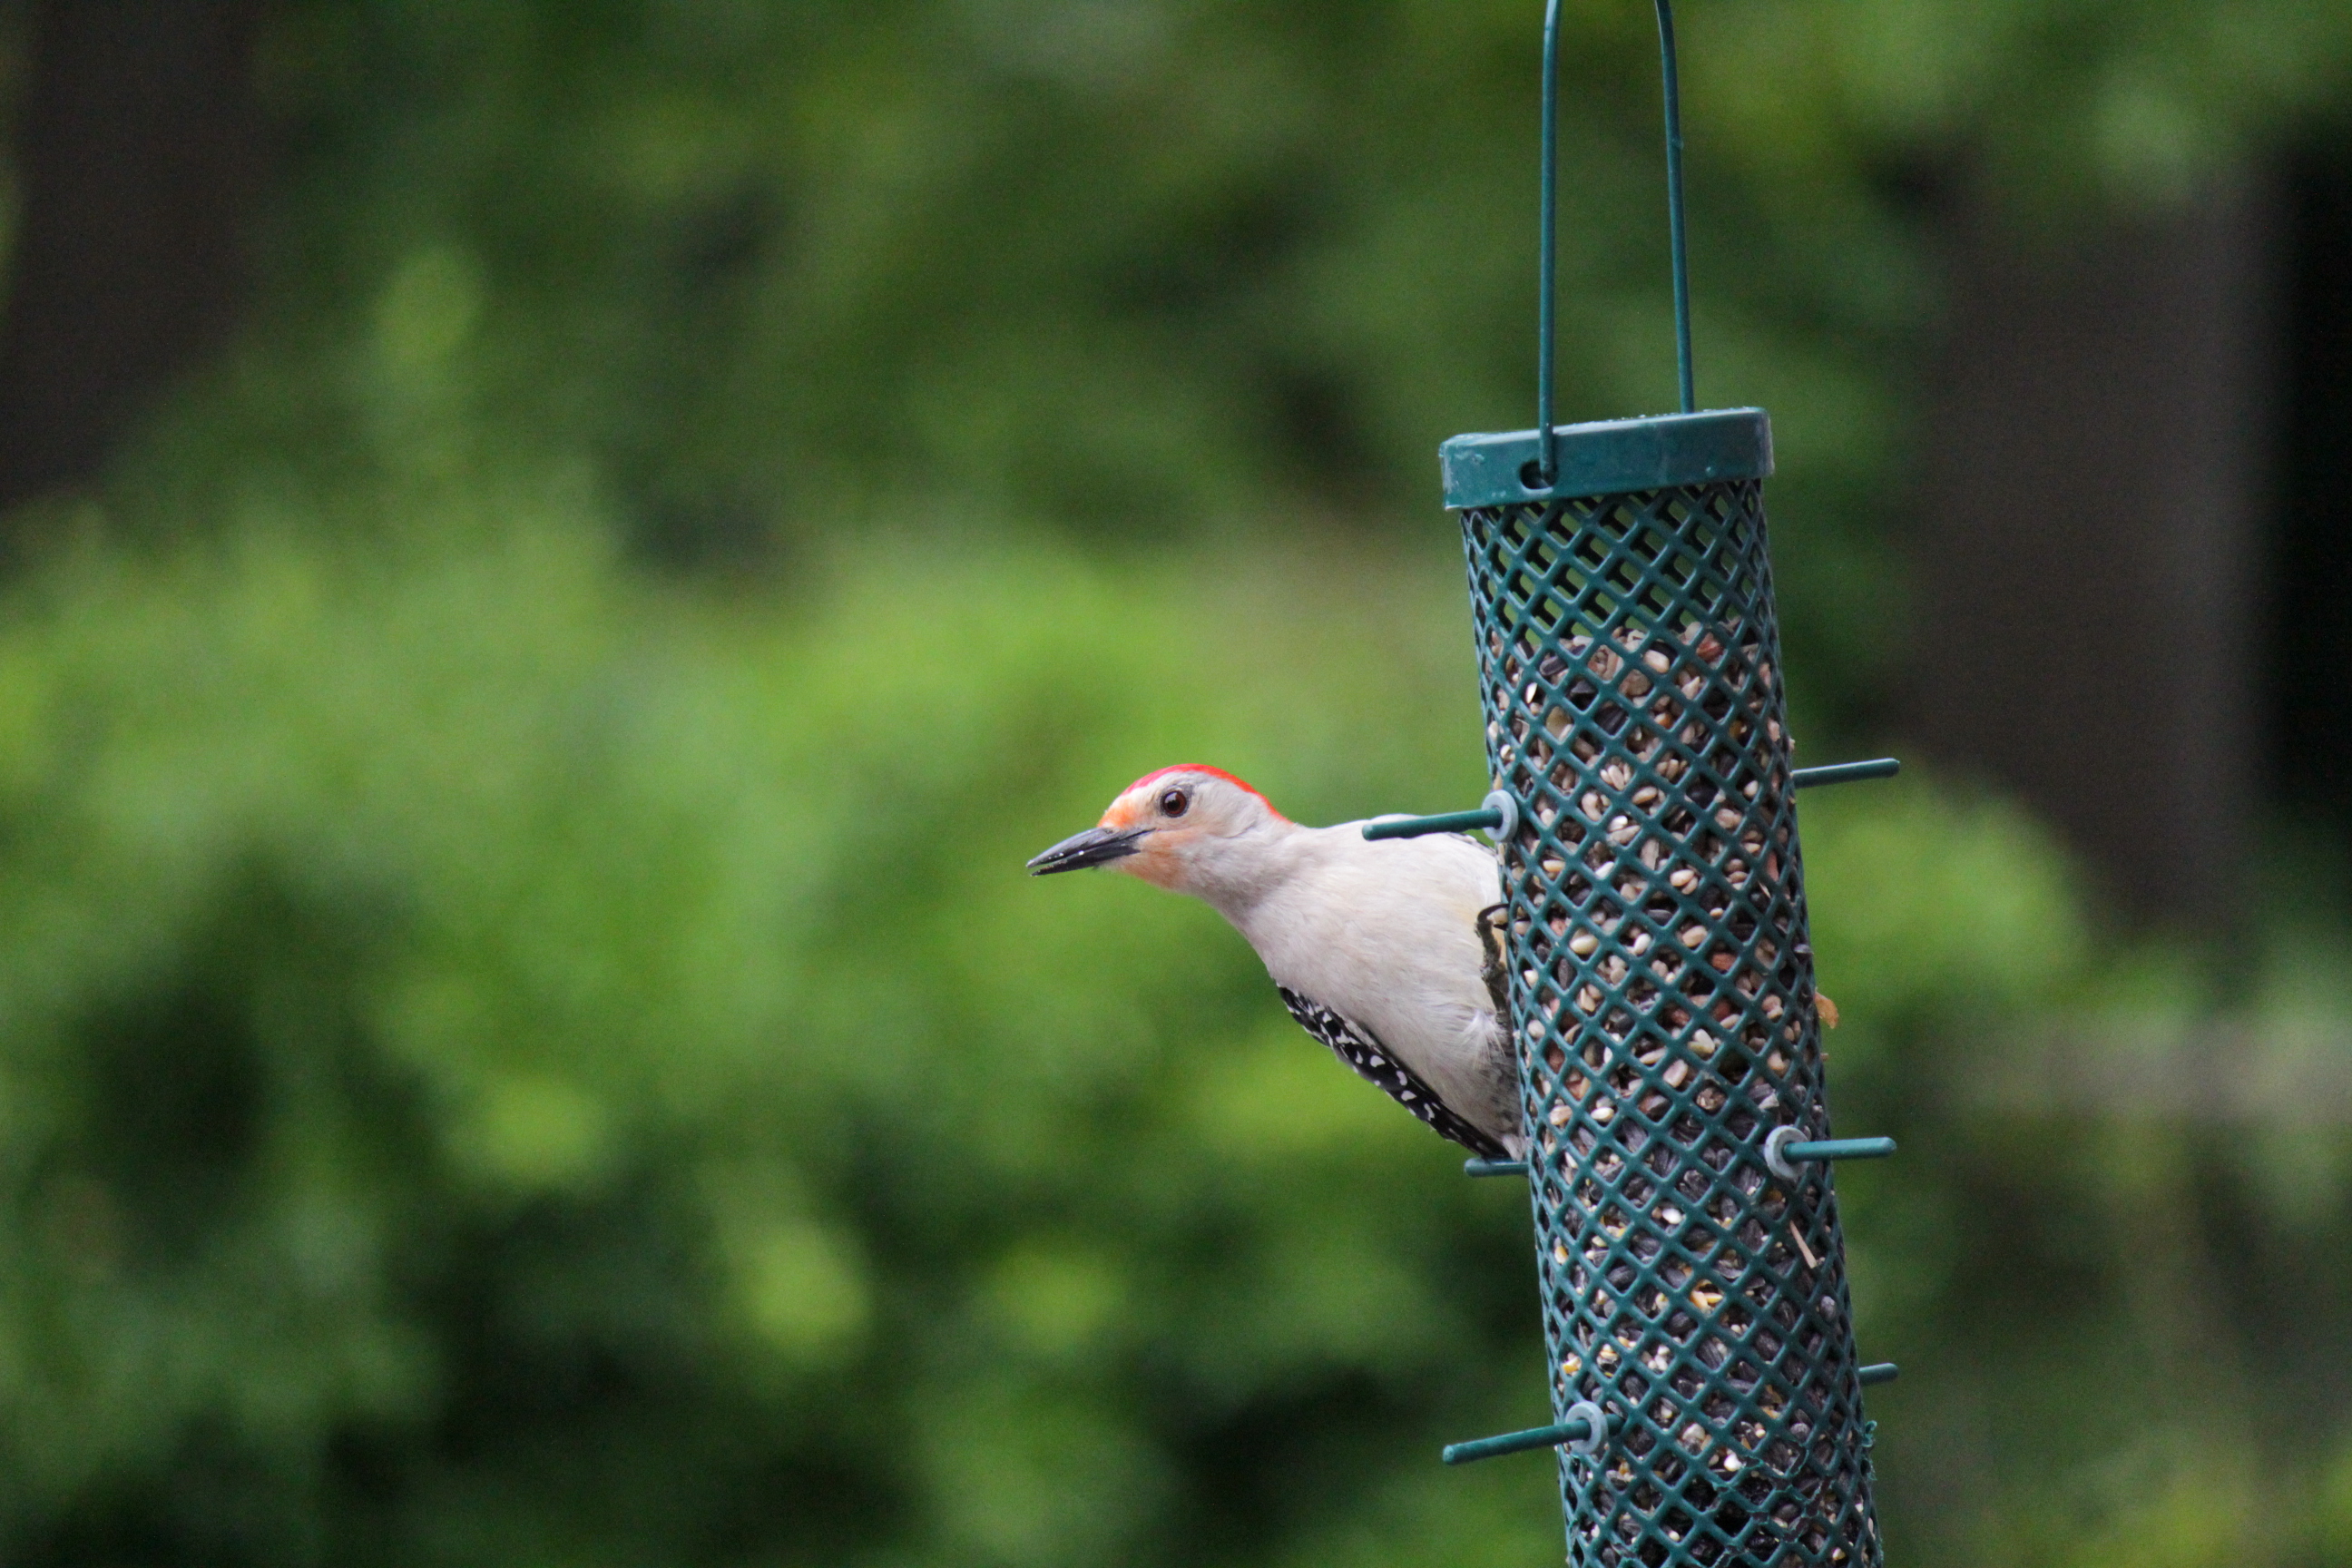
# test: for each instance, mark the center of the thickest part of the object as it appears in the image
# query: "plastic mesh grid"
(1663, 990)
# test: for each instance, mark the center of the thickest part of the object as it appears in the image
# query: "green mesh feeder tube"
(1662, 988)
(1705, 1390)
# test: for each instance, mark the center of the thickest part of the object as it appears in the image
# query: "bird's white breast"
(1386, 935)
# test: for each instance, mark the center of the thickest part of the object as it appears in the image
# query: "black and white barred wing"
(1359, 1049)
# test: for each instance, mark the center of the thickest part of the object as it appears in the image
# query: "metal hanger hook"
(1548, 254)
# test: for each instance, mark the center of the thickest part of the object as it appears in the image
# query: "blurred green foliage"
(522, 1035)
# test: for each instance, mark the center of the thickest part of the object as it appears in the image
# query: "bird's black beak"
(1095, 846)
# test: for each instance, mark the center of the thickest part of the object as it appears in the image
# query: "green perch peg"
(1583, 1431)
(1444, 822)
(1499, 816)
(1498, 813)
(1844, 772)
(1840, 1149)
(1784, 1151)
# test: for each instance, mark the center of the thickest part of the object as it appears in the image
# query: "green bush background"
(523, 1037)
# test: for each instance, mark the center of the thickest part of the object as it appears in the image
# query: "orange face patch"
(1128, 811)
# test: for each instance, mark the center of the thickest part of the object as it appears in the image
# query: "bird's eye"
(1173, 803)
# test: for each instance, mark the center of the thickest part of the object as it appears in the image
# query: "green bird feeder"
(1705, 1391)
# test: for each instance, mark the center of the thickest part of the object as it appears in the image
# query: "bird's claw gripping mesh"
(1661, 986)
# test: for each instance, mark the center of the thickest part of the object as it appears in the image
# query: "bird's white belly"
(1391, 943)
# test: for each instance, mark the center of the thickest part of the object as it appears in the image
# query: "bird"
(1388, 952)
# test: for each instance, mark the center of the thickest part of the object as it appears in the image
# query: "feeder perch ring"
(1505, 808)
(1596, 1429)
(1776, 1152)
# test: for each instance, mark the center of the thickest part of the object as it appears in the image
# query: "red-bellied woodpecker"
(1386, 951)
